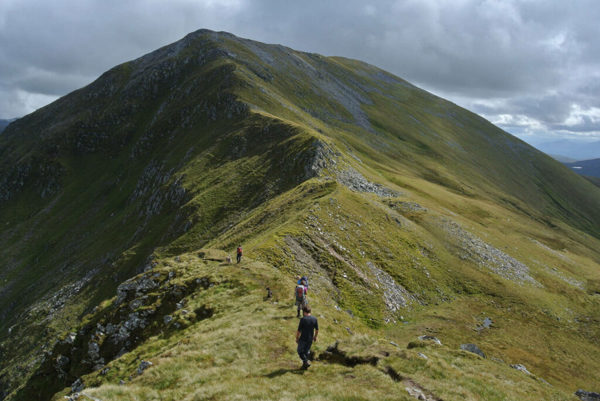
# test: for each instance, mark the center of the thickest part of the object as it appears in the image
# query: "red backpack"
(300, 294)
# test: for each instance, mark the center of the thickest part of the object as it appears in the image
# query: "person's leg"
(303, 348)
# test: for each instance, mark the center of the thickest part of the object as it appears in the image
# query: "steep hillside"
(412, 216)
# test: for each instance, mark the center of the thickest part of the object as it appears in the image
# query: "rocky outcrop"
(395, 296)
(485, 255)
(138, 312)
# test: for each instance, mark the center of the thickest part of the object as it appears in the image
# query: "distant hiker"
(305, 337)
(305, 279)
(269, 293)
(228, 259)
(239, 254)
(300, 293)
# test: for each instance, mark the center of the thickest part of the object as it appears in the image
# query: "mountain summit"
(415, 220)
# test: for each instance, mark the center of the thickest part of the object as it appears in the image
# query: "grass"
(243, 174)
(246, 351)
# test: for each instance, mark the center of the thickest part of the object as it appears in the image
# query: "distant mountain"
(576, 150)
(586, 167)
(121, 202)
(4, 124)
(563, 159)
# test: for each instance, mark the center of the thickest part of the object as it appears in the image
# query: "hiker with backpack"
(307, 332)
(239, 254)
(300, 293)
(300, 279)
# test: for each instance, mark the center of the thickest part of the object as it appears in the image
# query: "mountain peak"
(414, 218)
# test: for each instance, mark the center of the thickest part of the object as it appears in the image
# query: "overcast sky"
(532, 67)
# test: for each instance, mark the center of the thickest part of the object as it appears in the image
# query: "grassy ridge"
(220, 141)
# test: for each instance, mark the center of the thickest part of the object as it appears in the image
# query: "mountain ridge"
(216, 140)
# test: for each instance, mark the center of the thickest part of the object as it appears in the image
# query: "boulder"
(430, 338)
(472, 348)
(143, 366)
(587, 395)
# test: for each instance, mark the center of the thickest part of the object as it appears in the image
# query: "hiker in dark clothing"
(304, 336)
(239, 254)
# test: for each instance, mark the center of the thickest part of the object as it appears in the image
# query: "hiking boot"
(305, 365)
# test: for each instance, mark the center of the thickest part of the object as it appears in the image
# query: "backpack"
(239, 250)
(300, 295)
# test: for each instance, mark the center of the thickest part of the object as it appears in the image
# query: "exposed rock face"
(357, 182)
(140, 310)
(475, 249)
(394, 295)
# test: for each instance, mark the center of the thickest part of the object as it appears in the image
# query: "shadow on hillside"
(281, 372)
(284, 317)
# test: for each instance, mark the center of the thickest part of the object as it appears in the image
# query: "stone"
(143, 366)
(430, 338)
(472, 348)
(587, 395)
(77, 386)
(422, 355)
(167, 319)
(520, 367)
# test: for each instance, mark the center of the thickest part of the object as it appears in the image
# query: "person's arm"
(299, 328)
(315, 337)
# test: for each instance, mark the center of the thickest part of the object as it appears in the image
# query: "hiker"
(300, 293)
(304, 335)
(305, 280)
(239, 254)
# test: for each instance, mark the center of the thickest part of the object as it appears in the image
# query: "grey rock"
(77, 386)
(485, 255)
(355, 181)
(93, 350)
(167, 319)
(422, 355)
(430, 338)
(143, 366)
(587, 395)
(472, 348)
(520, 367)
(395, 296)
(487, 323)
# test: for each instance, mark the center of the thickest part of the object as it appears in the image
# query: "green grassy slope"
(411, 215)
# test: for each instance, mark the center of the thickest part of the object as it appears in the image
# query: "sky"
(531, 67)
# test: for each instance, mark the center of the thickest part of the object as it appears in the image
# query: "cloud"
(529, 64)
